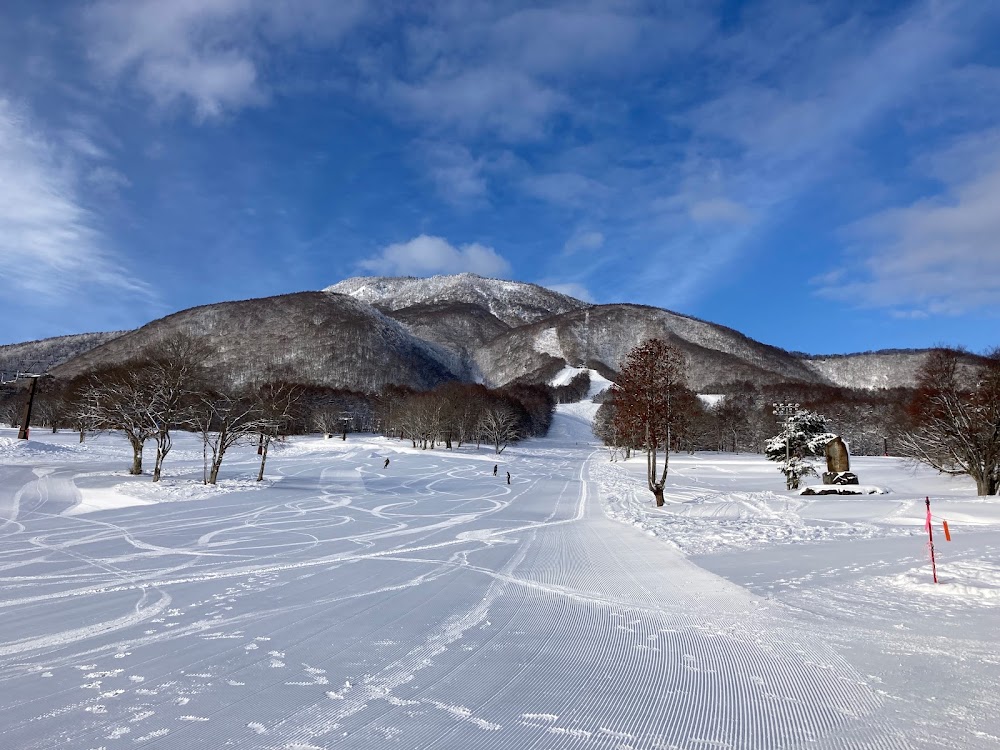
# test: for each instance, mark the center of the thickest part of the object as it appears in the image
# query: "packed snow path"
(425, 605)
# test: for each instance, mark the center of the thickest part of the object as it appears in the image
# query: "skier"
(508, 477)
(386, 464)
(494, 469)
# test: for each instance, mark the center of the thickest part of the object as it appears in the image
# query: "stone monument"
(838, 464)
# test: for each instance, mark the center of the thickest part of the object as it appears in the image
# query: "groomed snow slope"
(430, 604)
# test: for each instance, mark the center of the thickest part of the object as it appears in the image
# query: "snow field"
(429, 604)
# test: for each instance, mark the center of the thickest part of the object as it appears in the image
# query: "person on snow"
(386, 464)
(495, 469)
(508, 477)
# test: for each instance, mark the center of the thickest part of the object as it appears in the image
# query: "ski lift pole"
(22, 433)
(930, 538)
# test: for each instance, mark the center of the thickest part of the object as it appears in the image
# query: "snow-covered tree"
(804, 434)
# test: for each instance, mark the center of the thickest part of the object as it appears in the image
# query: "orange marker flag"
(947, 534)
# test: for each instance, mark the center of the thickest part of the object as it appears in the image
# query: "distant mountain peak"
(514, 302)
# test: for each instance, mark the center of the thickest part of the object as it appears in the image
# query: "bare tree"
(498, 426)
(732, 416)
(607, 431)
(651, 386)
(225, 418)
(174, 373)
(275, 403)
(956, 419)
(326, 419)
(117, 398)
(10, 411)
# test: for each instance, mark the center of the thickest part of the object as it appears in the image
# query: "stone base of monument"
(840, 477)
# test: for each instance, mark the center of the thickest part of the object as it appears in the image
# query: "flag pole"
(930, 537)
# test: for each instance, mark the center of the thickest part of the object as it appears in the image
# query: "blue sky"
(822, 176)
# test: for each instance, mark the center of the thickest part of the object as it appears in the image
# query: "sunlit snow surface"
(430, 604)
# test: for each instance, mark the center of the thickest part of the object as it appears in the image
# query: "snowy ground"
(431, 605)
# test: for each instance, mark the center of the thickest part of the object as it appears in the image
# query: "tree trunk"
(213, 475)
(162, 449)
(157, 467)
(136, 458)
(986, 486)
(82, 435)
(658, 494)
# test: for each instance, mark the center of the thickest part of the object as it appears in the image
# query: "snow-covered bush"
(805, 434)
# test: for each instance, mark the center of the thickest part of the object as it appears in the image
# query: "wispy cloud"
(719, 211)
(938, 255)
(425, 256)
(794, 96)
(573, 289)
(211, 54)
(584, 241)
(565, 188)
(50, 241)
(458, 176)
(507, 72)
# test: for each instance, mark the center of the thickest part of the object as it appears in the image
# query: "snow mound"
(14, 449)
(974, 582)
(128, 494)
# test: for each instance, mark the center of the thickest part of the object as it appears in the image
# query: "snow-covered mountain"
(870, 370)
(365, 332)
(312, 337)
(601, 336)
(515, 303)
(48, 353)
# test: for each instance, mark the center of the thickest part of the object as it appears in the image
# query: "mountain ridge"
(364, 332)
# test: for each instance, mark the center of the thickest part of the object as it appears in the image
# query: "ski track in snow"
(425, 605)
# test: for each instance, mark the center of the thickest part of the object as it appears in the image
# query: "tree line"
(950, 422)
(166, 388)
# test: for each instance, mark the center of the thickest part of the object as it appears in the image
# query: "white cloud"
(107, 180)
(492, 99)
(584, 241)
(720, 211)
(208, 53)
(939, 255)
(565, 188)
(498, 70)
(458, 176)
(573, 289)
(49, 240)
(425, 256)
